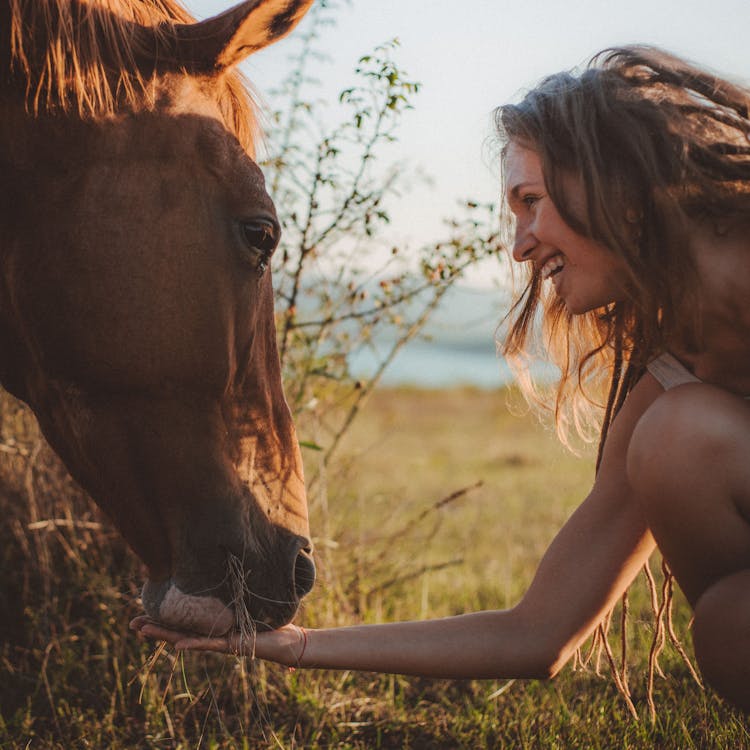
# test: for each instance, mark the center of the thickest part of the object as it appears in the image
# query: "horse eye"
(261, 237)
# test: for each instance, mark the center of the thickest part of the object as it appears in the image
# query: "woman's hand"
(284, 646)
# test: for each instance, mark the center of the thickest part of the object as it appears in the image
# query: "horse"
(136, 301)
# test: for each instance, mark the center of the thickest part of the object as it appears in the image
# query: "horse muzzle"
(266, 601)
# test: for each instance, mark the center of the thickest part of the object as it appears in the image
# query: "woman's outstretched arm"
(589, 564)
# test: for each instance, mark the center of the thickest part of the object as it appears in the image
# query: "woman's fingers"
(159, 632)
(220, 645)
(232, 644)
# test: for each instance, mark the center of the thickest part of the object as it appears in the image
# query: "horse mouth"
(166, 603)
(247, 603)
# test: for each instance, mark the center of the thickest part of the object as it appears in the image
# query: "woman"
(630, 188)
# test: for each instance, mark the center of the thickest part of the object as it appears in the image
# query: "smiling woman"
(634, 161)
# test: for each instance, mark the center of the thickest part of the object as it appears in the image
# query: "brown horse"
(136, 308)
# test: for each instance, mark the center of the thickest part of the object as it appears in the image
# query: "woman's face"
(585, 274)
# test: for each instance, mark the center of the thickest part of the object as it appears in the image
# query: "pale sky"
(471, 55)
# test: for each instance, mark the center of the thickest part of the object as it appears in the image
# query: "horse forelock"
(80, 57)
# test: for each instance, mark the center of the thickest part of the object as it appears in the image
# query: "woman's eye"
(529, 200)
(261, 238)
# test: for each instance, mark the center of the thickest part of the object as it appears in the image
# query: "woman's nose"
(524, 243)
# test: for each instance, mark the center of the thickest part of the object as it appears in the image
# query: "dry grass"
(395, 538)
(412, 449)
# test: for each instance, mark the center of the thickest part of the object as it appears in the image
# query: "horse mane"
(80, 57)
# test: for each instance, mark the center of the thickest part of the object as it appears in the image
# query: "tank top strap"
(670, 372)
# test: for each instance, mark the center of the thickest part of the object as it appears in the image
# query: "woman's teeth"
(552, 266)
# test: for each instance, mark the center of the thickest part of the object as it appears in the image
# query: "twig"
(63, 523)
(413, 574)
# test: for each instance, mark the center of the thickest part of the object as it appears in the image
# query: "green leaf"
(312, 446)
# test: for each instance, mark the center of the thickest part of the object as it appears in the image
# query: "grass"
(395, 539)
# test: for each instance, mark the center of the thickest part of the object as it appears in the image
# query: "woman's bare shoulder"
(640, 398)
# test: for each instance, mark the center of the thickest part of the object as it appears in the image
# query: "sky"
(472, 55)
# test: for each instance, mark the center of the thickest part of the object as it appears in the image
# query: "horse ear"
(221, 42)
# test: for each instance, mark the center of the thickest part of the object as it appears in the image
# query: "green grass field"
(392, 541)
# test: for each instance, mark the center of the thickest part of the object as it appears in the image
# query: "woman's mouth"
(553, 266)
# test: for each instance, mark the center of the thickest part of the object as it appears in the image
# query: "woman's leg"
(721, 636)
(689, 463)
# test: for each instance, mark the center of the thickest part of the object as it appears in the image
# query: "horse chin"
(206, 615)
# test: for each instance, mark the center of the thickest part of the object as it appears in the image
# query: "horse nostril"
(304, 573)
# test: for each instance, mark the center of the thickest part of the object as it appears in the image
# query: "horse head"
(136, 306)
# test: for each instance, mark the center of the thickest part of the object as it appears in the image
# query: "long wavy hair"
(660, 147)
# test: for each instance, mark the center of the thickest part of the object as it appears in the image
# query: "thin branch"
(412, 575)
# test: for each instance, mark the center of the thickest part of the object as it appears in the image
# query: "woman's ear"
(634, 220)
(633, 216)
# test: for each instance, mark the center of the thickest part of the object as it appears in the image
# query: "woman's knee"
(721, 636)
(686, 430)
